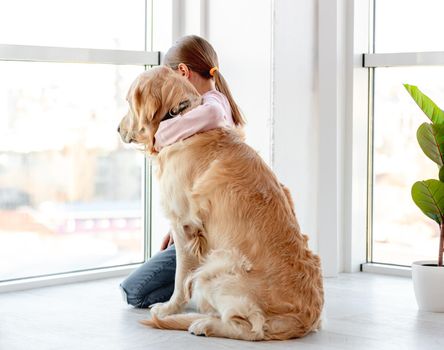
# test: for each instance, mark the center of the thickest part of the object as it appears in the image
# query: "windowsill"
(385, 269)
(65, 278)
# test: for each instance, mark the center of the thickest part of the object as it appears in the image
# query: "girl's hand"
(167, 241)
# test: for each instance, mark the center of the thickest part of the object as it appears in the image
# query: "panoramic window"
(71, 194)
(401, 233)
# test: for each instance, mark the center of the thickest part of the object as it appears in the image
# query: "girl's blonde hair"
(199, 56)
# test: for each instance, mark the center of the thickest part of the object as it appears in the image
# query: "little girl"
(194, 58)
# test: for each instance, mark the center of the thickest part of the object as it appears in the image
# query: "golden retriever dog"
(240, 251)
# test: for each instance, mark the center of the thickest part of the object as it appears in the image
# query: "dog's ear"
(147, 101)
(151, 117)
(147, 104)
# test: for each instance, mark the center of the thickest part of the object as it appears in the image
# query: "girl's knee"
(132, 299)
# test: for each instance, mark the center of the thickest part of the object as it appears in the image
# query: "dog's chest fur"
(178, 170)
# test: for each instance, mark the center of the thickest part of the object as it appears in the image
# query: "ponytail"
(222, 86)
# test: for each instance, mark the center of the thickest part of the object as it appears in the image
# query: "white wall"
(241, 35)
(295, 111)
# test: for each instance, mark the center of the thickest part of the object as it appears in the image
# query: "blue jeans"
(153, 282)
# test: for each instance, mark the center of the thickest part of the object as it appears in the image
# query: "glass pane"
(70, 193)
(409, 25)
(107, 24)
(401, 232)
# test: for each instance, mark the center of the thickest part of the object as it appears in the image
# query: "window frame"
(372, 61)
(51, 54)
(343, 37)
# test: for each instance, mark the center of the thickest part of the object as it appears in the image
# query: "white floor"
(363, 311)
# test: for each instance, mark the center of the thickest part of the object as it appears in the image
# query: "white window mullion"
(399, 59)
(77, 55)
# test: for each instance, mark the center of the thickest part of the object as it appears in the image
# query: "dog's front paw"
(164, 309)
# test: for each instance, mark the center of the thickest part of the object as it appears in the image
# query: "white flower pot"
(428, 283)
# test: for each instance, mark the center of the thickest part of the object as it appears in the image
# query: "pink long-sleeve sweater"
(214, 112)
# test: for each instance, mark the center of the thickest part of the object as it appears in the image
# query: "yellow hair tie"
(212, 70)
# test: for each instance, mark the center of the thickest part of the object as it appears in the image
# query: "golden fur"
(240, 251)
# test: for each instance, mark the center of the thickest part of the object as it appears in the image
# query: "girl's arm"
(210, 115)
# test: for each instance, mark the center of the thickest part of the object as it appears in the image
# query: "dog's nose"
(118, 129)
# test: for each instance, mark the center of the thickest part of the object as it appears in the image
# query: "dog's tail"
(177, 322)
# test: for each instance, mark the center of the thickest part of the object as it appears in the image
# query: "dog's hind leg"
(223, 286)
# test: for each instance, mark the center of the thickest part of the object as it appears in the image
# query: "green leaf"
(431, 140)
(428, 195)
(431, 110)
(441, 174)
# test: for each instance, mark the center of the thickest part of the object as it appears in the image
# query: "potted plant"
(428, 195)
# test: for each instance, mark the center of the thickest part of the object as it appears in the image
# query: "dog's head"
(155, 95)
